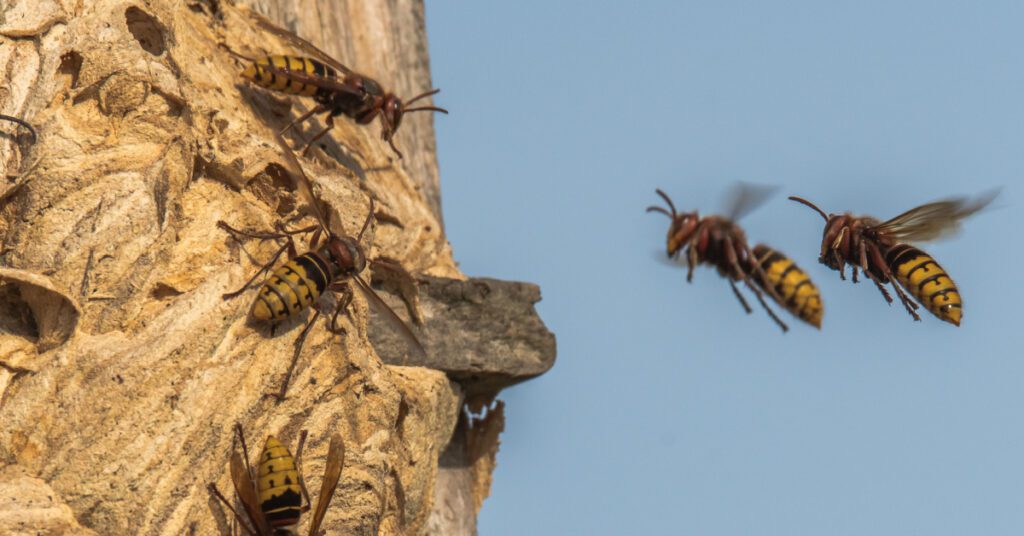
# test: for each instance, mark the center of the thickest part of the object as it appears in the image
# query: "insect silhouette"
(720, 242)
(274, 496)
(332, 264)
(335, 88)
(881, 251)
(23, 123)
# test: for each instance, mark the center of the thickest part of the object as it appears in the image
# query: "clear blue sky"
(669, 411)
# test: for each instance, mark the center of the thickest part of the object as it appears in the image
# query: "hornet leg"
(760, 273)
(730, 253)
(238, 518)
(266, 267)
(320, 108)
(740, 297)
(867, 271)
(322, 133)
(295, 357)
(23, 123)
(342, 288)
(764, 304)
(289, 246)
(908, 304)
(245, 450)
(691, 260)
(282, 232)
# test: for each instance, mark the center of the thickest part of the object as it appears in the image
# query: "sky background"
(669, 410)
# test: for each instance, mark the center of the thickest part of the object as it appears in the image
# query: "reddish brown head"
(837, 241)
(347, 255)
(392, 111)
(346, 252)
(682, 228)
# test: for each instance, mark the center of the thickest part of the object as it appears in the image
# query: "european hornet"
(336, 89)
(880, 250)
(720, 242)
(332, 264)
(21, 122)
(274, 496)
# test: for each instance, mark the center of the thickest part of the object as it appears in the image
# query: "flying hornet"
(336, 89)
(718, 241)
(882, 252)
(23, 123)
(274, 496)
(333, 264)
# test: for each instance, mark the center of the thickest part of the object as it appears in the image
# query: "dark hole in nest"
(16, 316)
(280, 177)
(274, 187)
(146, 29)
(209, 7)
(70, 66)
(163, 291)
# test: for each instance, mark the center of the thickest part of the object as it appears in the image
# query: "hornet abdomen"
(798, 293)
(292, 288)
(277, 485)
(923, 278)
(261, 76)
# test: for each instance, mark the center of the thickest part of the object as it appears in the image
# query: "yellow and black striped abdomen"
(277, 485)
(923, 278)
(292, 287)
(261, 76)
(798, 293)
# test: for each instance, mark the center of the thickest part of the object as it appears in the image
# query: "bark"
(122, 368)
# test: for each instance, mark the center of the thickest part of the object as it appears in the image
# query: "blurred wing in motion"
(744, 197)
(396, 323)
(934, 220)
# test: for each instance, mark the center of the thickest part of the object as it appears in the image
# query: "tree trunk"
(122, 368)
